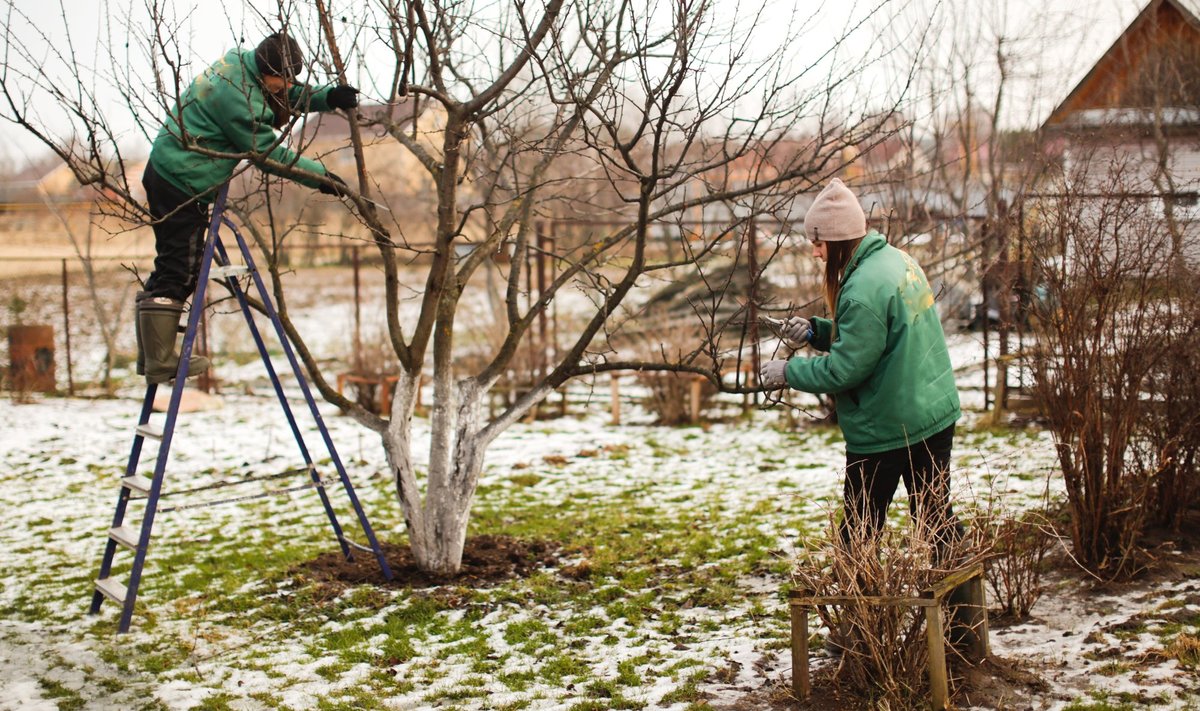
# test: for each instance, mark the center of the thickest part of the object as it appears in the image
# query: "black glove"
(337, 189)
(342, 97)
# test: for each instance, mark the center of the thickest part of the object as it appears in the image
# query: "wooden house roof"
(1111, 89)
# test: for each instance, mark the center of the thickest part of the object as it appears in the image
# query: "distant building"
(46, 216)
(1131, 128)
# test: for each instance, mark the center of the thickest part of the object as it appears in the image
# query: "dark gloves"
(337, 189)
(342, 97)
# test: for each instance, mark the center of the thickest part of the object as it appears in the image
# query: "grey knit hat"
(835, 216)
(279, 56)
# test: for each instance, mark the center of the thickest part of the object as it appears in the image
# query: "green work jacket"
(886, 359)
(226, 110)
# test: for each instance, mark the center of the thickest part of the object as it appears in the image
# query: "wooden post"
(206, 381)
(616, 398)
(980, 643)
(385, 395)
(801, 684)
(67, 330)
(752, 297)
(938, 688)
(539, 229)
(357, 314)
(695, 399)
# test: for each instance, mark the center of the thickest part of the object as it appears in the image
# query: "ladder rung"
(358, 546)
(113, 589)
(136, 483)
(149, 430)
(224, 272)
(126, 536)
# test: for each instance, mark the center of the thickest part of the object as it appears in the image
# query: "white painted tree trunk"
(437, 518)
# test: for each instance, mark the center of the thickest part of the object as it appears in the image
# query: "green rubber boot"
(158, 324)
(137, 330)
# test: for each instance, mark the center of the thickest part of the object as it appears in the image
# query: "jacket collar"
(251, 66)
(872, 243)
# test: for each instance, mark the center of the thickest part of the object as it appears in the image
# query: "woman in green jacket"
(228, 113)
(884, 359)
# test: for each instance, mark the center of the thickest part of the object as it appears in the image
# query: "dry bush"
(1171, 426)
(1019, 544)
(885, 655)
(669, 395)
(1107, 330)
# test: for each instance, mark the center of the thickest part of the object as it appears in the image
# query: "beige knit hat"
(835, 216)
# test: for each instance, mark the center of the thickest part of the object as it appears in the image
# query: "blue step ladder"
(135, 486)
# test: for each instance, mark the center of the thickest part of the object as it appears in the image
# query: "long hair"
(839, 253)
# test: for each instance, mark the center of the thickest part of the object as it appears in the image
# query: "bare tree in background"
(637, 119)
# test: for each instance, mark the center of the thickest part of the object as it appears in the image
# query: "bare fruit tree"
(667, 131)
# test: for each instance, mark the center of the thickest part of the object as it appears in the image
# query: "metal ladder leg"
(269, 306)
(105, 586)
(281, 396)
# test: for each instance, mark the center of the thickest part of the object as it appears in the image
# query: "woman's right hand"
(796, 332)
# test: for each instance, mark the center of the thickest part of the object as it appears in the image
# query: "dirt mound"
(487, 561)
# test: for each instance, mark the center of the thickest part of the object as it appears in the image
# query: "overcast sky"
(1075, 33)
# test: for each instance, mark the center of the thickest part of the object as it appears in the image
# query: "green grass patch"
(66, 699)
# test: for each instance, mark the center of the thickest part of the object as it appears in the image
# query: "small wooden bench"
(930, 601)
(385, 383)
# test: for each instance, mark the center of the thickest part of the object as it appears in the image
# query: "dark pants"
(871, 480)
(180, 226)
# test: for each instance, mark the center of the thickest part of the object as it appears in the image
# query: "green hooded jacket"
(888, 365)
(226, 110)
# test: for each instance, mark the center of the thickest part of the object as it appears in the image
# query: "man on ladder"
(228, 113)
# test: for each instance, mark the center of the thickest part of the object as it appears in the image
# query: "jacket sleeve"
(306, 99)
(822, 333)
(248, 129)
(862, 336)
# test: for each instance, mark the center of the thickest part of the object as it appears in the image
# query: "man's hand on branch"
(334, 185)
(771, 375)
(342, 97)
(796, 332)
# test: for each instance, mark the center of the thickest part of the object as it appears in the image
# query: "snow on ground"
(219, 625)
(63, 457)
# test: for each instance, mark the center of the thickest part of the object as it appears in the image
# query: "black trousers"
(871, 481)
(180, 226)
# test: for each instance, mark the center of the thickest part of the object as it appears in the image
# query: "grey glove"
(770, 375)
(796, 332)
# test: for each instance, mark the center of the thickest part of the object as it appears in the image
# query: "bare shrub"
(1172, 422)
(1105, 264)
(669, 395)
(884, 657)
(1019, 544)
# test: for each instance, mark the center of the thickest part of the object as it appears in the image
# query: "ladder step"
(149, 430)
(357, 546)
(216, 272)
(137, 483)
(113, 589)
(126, 536)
